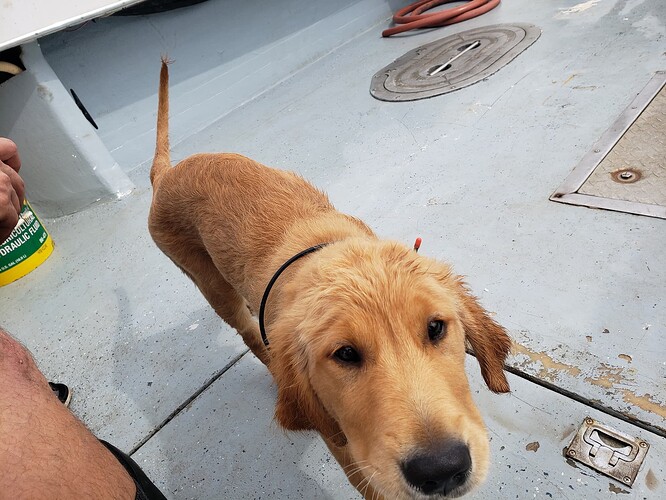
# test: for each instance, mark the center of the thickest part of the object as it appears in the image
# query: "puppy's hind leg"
(228, 304)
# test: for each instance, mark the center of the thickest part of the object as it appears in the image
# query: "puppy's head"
(369, 348)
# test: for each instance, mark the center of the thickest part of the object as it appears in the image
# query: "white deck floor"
(470, 172)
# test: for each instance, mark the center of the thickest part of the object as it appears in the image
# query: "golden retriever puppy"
(365, 338)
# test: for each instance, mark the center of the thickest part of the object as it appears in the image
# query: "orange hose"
(412, 16)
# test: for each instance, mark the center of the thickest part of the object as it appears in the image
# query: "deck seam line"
(188, 401)
(530, 378)
(588, 402)
(580, 399)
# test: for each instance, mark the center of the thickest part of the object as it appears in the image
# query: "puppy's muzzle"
(439, 469)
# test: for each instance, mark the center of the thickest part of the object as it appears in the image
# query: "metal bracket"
(608, 451)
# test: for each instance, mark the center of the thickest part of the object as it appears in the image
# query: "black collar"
(284, 266)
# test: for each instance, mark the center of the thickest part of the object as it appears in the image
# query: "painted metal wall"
(26, 20)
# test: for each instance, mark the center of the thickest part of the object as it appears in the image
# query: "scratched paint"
(571, 77)
(581, 7)
(616, 489)
(603, 375)
(645, 402)
(606, 376)
(549, 367)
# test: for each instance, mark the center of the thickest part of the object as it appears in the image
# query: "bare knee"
(16, 361)
(45, 451)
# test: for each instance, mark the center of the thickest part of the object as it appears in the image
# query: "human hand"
(12, 189)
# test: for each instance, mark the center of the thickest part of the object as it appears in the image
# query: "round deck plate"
(409, 78)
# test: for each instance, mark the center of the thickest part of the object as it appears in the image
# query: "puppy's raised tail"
(162, 160)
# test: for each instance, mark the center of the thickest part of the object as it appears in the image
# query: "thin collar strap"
(277, 274)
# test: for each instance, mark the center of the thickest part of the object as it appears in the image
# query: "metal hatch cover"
(625, 170)
(452, 62)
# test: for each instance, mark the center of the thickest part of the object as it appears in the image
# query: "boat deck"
(581, 291)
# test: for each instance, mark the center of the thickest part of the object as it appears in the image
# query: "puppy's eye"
(347, 354)
(436, 329)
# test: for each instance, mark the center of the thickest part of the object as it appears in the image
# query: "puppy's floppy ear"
(298, 407)
(490, 342)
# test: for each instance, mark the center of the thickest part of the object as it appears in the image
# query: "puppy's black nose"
(439, 469)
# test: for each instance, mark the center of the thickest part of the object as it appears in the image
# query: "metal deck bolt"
(626, 175)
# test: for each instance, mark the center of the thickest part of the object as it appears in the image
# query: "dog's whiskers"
(357, 470)
(375, 491)
(367, 483)
(390, 491)
(353, 464)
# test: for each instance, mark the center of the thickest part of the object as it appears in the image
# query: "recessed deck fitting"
(625, 170)
(452, 63)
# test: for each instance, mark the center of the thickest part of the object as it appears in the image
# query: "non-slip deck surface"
(581, 291)
(635, 169)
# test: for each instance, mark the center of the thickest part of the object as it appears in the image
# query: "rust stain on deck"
(625, 357)
(533, 446)
(651, 481)
(568, 432)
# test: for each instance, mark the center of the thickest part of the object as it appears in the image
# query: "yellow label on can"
(25, 249)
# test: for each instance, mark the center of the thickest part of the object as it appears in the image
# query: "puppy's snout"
(439, 469)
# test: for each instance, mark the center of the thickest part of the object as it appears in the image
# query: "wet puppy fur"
(367, 337)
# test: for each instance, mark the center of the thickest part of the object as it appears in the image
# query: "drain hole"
(626, 175)
(462, 49)
(438, 69)
(472, 45)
